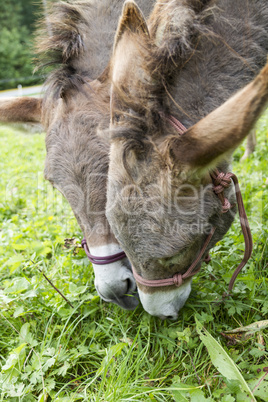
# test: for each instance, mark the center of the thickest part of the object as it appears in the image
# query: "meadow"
(79, 348)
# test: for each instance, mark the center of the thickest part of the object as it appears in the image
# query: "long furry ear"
(20, 110)
(128, 67)
(132, 20)
(174, 28)
(131, 36)
(219, 133)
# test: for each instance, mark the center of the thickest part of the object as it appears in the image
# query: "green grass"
(95, 351)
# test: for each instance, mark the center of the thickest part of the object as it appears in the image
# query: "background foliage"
(18, 19)
(88, 350)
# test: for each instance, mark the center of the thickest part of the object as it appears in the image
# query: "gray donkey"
(176, 117)
(75, 115)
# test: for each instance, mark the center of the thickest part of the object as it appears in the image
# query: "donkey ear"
(130, 38)
(219, 133)
(20, 110)
(131, 21)
(174, 31)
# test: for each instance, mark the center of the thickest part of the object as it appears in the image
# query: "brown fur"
(21, 110)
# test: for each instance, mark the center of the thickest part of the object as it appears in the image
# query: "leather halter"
(102, 260)
(220, 181)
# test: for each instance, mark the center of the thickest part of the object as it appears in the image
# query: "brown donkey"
(75, 115)
(172, 124)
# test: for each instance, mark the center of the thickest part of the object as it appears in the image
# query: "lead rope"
(245, 230)
(222, 181)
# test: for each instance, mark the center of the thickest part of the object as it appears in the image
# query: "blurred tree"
(15, 58)
(32, 11)
(17, 23)
(10, 13)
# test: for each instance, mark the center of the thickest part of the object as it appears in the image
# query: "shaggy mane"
(61, 42)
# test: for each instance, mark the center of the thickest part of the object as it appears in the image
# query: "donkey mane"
(60, 43)
(74, 43)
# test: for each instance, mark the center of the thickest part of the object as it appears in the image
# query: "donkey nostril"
(172, 317)
(131, 286)
(168, 317)
(128, 286)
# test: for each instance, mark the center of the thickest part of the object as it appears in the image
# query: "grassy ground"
(93, 351)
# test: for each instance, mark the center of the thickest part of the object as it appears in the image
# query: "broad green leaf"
(11, 362)
(19, 348)
(199, 396)
(260, 386)
(27, 336)
(179, 397)
(63, 369)
(19, 311)
(14, 262)
(227, 398)
(24, 331)
(14, 357)
(185, 335)
(182, 391)
(20, 247)
(36, 377)
(49, 352)
(50, 384)
(19, 285)
(222, 360)
(18, 391)
(29, 294)
(49, 363)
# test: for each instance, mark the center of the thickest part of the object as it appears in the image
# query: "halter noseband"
(102, 260)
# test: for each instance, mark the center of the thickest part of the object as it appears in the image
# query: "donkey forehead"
(156, 227)
(149, 185)
(72, 141)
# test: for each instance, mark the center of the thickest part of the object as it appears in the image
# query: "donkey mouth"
(127, 301)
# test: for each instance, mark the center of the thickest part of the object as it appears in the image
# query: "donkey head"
(76, 116)
(160, 202)
(77, 164)
(74, 112)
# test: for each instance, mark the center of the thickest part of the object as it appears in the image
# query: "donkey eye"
(116, 117)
